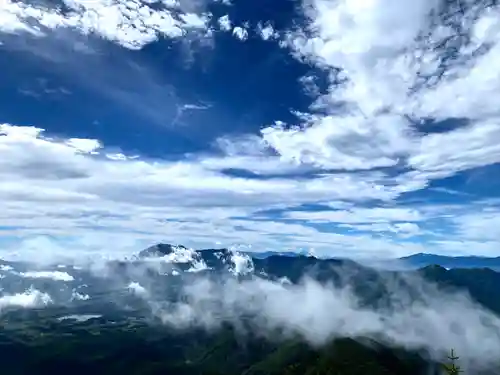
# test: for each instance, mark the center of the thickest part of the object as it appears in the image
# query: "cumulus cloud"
(391, 70)
(403, 229)
(240, 32)
(77, 296)
(224, 23)
(130, 23)
(138, 289)
(267, 31)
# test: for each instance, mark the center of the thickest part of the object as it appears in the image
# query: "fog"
(318, 312)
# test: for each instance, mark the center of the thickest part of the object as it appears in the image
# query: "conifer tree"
(451, 368)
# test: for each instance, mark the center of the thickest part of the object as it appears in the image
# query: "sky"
(353, 128)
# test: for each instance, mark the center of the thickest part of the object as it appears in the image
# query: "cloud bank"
(324, 313)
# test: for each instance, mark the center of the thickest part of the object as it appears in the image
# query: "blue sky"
(361, 128)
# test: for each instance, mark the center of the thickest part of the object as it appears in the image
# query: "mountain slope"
(423, 260)
(83, 348)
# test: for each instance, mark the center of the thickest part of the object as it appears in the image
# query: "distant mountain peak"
(160, 250)
(425, 259)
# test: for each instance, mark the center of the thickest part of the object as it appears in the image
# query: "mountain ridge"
(414, 261)
(424, 259)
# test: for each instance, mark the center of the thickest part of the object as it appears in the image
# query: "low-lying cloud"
(53, 275)
(416, 315)
(28, 299)
(320, 313)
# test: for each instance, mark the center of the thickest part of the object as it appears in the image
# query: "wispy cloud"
(73, 46)
(43, 88)
(181, 109)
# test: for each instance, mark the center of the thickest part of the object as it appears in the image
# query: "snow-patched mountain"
(189, 260)
(238, 263)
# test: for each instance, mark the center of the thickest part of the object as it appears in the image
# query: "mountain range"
(423, 260)
(414, 261)
(457, 272)
(171, 309)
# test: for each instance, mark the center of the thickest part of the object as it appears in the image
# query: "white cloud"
(479, 225)
(53, 275)
(130, 23)
(350, 142)
(396, 71)
(359, 215)
(428, 320)
(438, 153)
(240, 32)
(76, 296)
(138, 289)
(65, 194)
(224, 23)
(72, 189)
(29, 299)
(310, 86)
(384, 49)
(71, 44)
(79, 317)
(403, 229)
(267, 32)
